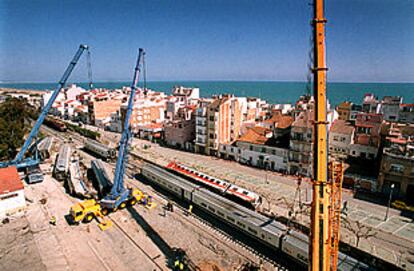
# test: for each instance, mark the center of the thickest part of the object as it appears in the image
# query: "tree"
(15, 117)
(358, 229)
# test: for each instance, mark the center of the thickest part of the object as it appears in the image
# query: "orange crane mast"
(319, 235)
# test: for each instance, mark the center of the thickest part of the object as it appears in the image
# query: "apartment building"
(180, 133)
(341, 136)
(100, 110)
(259, 148)
(179, 98)
(397, 168)
(371, 104)
(367, 136)
(406, 113)
(344, 110)
(201, 125)
(280, 125)
(144, 112)
(301, 144)
(390, 107)
(224, 118)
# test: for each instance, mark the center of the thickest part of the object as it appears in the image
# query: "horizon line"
(209, 80)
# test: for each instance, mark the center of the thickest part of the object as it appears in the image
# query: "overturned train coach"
(263, 229)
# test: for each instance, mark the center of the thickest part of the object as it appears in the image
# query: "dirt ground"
(18, 250)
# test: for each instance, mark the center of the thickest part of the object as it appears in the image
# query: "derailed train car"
(273, 234)
(102, 176)
(100, 150)
(61, 170)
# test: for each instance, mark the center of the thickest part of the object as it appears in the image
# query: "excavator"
(119, 197)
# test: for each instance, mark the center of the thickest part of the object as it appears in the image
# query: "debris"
(43, 201)
(6, 220)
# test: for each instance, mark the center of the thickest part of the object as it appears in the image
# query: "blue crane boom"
(18, 161)
(119, 195)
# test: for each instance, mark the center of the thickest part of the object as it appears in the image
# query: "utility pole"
(389, 202)
(319, 241)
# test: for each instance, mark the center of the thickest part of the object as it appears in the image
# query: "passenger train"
(55, 124)
(101, 150)
(263, 229)
(61, 171)
(236, 193)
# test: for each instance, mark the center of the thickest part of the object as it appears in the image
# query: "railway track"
(216, 233)
(127, 236)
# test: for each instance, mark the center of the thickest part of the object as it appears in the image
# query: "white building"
(201, 126)
(390, 107)
(255, 148)
(73, 91)
(48, 94)
(341, 137)
(11, 192)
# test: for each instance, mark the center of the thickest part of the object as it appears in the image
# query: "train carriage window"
(231, 219)
(204, 205)
(220, 213)
(263, 236)
(211, 209)
(245, 192)
(241, 224)
(252, 230)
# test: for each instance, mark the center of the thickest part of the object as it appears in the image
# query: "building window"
(251, 147)
(396, 168)
(263, 149)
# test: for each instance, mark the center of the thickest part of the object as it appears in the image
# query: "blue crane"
(119, 196)
(20, 161)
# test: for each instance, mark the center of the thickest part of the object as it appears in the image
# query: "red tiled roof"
(9, 180)
(256, 135)
(280, 121)
(342, 127)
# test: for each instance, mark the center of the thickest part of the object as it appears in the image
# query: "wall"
(13, 204)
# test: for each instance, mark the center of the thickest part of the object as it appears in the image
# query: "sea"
(272, 91)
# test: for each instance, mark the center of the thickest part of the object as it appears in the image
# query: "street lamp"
(389, 202)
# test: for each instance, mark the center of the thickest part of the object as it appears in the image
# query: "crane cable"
(89, 69)
(144, 66)
(310, 62)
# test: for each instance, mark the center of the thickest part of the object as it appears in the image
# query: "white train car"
(262, 228)
(236, 193)
(76, 183)
(268, 231)
(62, 163)
(44, 147)
(100, 150)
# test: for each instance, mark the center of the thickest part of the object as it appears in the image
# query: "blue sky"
(367, 40)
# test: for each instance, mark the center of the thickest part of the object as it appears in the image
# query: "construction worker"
(52, 220)
(190, 209)
(170, 206)
(176, 264)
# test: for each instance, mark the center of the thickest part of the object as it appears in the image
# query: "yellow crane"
(326, 202)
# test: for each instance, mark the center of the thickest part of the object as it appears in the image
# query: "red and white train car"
(234, 192)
